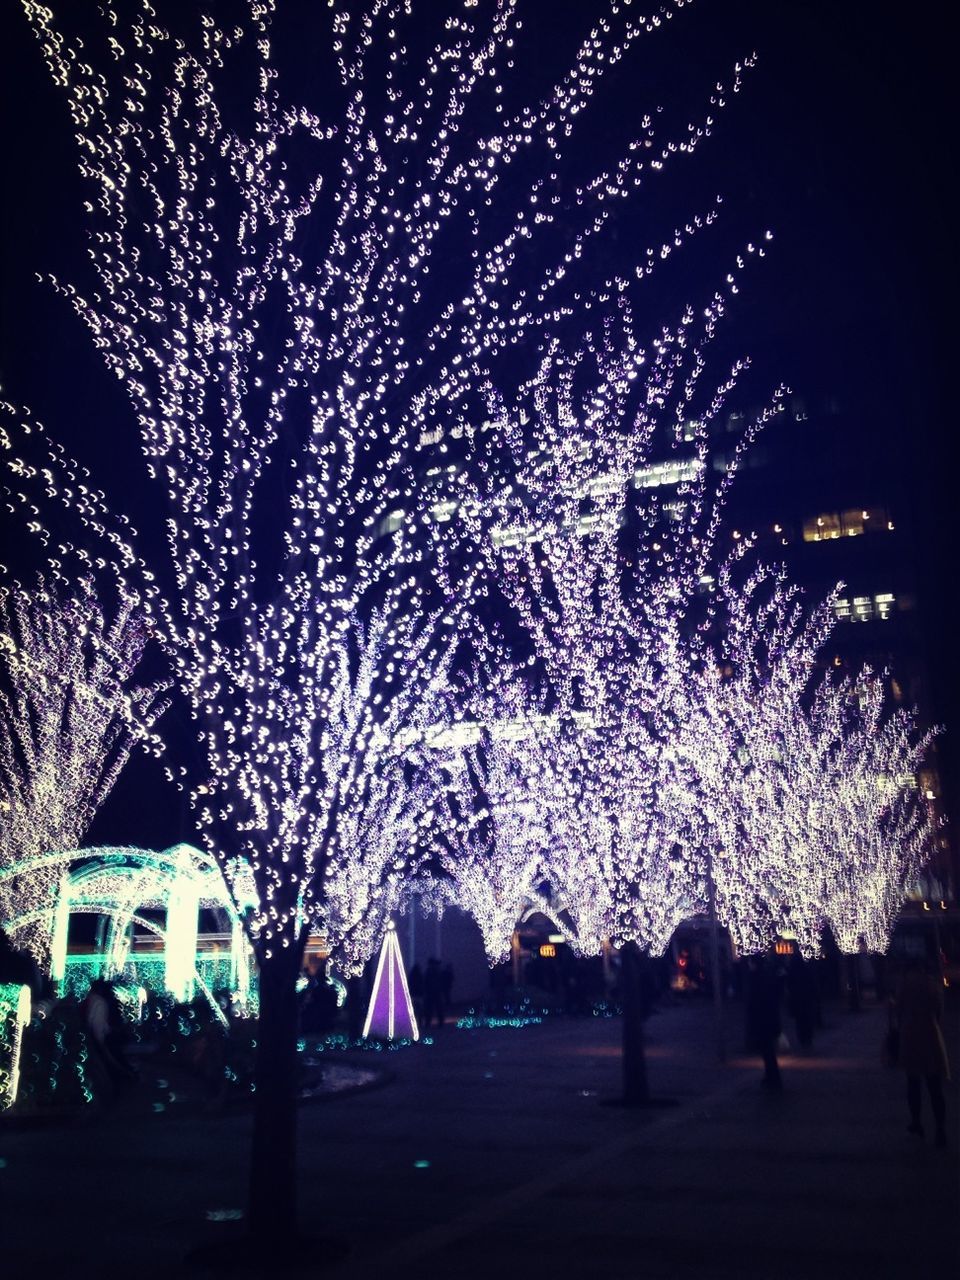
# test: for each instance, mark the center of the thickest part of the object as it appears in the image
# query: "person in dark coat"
(763, 1000)
(922, 1054)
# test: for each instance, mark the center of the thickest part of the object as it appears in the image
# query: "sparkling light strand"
(70, 715)
(808, 783)
(254, 371)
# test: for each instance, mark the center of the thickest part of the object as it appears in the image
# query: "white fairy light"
(809, 783)
(652, 700)
(70, 715)
(257, 367)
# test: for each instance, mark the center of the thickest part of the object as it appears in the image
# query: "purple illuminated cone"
(390, 1015)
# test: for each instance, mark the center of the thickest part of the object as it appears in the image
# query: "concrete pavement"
(490, 1153)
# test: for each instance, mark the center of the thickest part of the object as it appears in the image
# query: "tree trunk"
(636, 1090)
(272, 1209)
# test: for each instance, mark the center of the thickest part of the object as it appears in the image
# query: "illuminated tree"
(70, 714)
(270, 294)
(602, 533)
(882, 828)
(808, 782)
(689, 750)
(494, 854)
(385, 803)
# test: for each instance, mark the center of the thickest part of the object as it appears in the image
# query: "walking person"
(106, 1032)
(922, 1054)
(763, 1000)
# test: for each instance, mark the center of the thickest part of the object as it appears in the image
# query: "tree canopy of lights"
(653, 692)
(269, 381)
(292, 303)
(493, 845)
(70, 714)
(606, 576)
(808, 783)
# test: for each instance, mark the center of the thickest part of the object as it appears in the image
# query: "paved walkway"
(491, 1154)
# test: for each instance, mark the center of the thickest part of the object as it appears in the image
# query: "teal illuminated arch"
(120, 882)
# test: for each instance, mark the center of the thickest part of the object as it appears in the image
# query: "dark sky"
(842, 143)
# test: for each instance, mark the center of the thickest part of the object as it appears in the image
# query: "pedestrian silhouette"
(922, 1054)
(763, 1000)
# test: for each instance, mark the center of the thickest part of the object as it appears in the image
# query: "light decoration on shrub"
(390, 1014)
(15, 1007)
(70, 714)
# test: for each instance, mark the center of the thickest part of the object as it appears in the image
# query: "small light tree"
(882, 829)
(70, 714)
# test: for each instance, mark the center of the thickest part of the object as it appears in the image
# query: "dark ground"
(527, 1174)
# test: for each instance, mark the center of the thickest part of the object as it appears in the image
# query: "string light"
(14, 1016)
(254, 368)
(809, 785)
(655, 684)
(70, 715)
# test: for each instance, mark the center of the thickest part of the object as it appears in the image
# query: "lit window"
(884, 604)
(862, 608)
(844, 524)
(675, 472)
(515, 536)
(820, 528)
(866, 608)
(852, 522)
(601, 485)
(392, 522)
(443, 511)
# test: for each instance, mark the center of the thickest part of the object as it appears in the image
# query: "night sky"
(840, 143)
